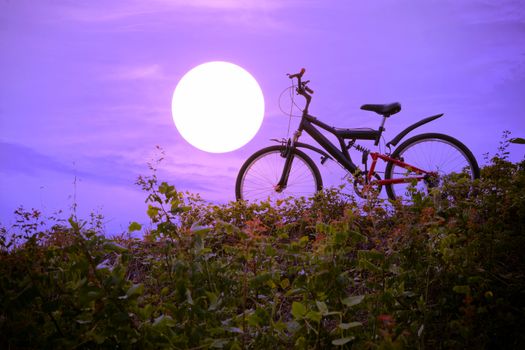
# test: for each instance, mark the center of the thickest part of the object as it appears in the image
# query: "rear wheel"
(257, 180)
(438, 153)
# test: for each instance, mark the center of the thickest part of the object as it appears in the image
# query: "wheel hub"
(278, 188)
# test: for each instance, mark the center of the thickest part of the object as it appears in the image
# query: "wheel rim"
(260, 179)
(442, 157)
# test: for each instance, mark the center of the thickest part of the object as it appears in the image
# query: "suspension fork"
(289, 154)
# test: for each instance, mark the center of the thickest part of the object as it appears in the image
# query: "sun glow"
(218, 107)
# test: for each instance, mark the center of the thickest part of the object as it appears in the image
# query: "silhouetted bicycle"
(420, 163)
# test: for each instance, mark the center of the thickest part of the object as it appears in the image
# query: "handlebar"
(297, 75)
(302, 87)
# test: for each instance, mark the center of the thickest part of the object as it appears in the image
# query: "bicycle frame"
(422, 174)
(341, 155)
(309, 123)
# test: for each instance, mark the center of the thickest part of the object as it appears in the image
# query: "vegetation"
(446, 272)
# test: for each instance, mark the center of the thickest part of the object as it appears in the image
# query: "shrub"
(444, 272)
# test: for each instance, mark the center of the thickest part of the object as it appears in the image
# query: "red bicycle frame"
(422, 174)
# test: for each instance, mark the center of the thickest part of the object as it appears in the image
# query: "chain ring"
(359, 186)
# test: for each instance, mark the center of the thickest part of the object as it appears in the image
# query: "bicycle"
(420, 163)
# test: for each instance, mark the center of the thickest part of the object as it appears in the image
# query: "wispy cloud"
(489, 11)
(115, 11)
(134, 15)
(266, 5)
(122, 170)
(19, 159)
(138, 72)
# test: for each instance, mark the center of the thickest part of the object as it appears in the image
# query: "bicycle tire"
(431, 152)
(261, 172)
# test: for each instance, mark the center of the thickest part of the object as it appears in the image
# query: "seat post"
(381, 128)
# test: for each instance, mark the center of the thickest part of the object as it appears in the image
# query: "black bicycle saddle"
(385, 110)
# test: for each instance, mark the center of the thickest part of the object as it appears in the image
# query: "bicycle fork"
(289, 154)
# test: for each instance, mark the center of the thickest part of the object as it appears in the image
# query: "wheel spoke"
(260, 175)
(435, 153)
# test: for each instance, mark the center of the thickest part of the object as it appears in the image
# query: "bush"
(444, 272)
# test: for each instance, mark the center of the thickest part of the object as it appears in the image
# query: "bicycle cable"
(290, 114)
(290, 91)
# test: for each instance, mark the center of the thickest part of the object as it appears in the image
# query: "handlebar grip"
(297, 75)
(308, 89)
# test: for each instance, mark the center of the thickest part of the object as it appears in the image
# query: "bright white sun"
(218, 107)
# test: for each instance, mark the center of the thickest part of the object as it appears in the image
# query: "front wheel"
(441, 154)
(257, 180)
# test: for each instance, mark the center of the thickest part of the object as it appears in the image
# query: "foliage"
(443, 272)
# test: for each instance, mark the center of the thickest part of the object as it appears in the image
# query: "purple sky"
(86, 86)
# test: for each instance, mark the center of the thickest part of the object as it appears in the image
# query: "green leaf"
(153, 212)
(303, 241)
(314, 316)
(367, 265)
(372, 255)
(350, 325)
(461, 289)
(163, 320)
(353, 300)
(218, 343)
(189, 299)
(146, 311)
(214, 299)
(235, 345)
(357, 237)
(134, 226)
(342, 341)
(270, 251)
(196, 228)
(93, 294)
(166, 190)
(114, 247)
(341, 237)
(420, 330)
(96, 337)
(300, 343)
(83, 321)
(198, 243)
(271, 284)
(321, 306)
(333, 313)
(298, 310)
(253, 320)
(260, 279)
(285, 283)
(163, 187)
(73, 223)
(136, 289)
(279, 326)
(293, 326)
(234, 330)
